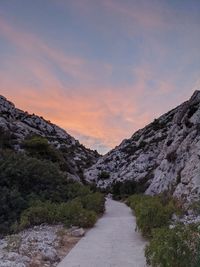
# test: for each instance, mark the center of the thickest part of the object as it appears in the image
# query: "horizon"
(102, 154)
(99, 69)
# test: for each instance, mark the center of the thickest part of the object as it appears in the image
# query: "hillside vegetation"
(171, 244)
(35, 189)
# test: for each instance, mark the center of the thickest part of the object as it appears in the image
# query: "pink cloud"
(93, 111)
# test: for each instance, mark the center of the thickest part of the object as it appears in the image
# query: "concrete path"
(113, 242)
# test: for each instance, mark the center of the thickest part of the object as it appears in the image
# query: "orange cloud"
(97, 113)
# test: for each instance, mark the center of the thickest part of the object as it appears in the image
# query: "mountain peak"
(196, 95)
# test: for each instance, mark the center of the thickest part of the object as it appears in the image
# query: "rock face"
(164, 156)
(37, 246)
(19, 124)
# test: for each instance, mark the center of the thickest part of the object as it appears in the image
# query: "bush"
(177, 247)
(150, 213)
(5, 139)
(30, 175)
(135, 200)
(41, 213)
(39, 147)
(26, 182)
(124, 189)
(171, 157)
(70, 213)
(77, 190)
(94, 202)
(104, 175)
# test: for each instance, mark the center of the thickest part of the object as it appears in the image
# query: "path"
(113, 242)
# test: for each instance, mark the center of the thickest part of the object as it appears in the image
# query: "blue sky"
(100, 69)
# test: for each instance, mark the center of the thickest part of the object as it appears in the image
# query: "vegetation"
(38, 146)
(151, 212)
(70, 213)
(5, 139)
(177, 246)
(104, 175)
(121, 190)
(171, 157)
(32, 189)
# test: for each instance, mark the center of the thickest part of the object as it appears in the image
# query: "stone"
(78, 232)
(50, 254)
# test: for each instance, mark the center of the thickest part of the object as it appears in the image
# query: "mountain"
(17, 125)
(163, 156)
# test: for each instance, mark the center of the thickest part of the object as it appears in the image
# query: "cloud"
(32, 46)
(90, 109)
(86, 102)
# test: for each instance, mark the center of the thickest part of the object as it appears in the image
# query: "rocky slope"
(39, 246)
(19, 124)
(163, 156)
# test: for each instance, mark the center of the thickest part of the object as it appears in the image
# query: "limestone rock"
(78, 232)
(163, 156)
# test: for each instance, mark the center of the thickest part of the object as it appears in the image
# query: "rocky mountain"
(163, 156)
(18, 125)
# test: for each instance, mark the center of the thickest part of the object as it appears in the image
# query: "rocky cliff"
(164, 156)
(19, 124)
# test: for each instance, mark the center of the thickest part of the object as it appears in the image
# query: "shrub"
(123, 189)
(130, 187)
(136, 199)
(38, 147)
(192, 110)
(171, 157)
(77, 190)
(33, 176)
(70, 213)
(157, 125)
(94, 202)
(73, 213)
(151, 213)
(36, 215)
(104, 175)
(24, 181)
(11, 203)
(177, 247)
(5, 139)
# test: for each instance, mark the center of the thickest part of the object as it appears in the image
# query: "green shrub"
(86, 218)
(36, 143)
(104, 175)
(30, 175)
(77, 190)
(27, 181)
(177, 247)
(136, 199)
(124, 189)
(39, 147)
(34, 188)
(70, 213)
(150, 212)
(94, 202)
(41, 213)
(5, 139)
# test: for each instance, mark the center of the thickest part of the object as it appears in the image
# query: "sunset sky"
(101, 69)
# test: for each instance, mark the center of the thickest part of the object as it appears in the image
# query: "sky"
(101, 69)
